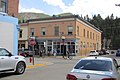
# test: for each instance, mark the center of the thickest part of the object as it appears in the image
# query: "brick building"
(65, 33)
(10, 7)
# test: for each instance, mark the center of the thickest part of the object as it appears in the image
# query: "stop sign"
(32, 42)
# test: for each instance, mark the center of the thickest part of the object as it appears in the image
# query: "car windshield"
(97, 65)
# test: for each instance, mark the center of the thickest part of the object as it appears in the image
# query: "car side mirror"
(10, 55)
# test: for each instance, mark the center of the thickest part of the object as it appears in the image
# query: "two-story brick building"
(65, 33)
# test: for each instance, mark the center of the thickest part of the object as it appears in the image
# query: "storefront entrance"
(63, 49)
(51, 45)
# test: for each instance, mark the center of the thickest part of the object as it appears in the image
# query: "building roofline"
(63, 17)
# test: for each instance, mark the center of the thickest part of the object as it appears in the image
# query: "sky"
(79, 7)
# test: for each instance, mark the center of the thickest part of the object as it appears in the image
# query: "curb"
(48, 63)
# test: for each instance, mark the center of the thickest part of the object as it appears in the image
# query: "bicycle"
(68, 55)
(42, 54)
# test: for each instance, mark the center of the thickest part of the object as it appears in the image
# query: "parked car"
(107, 52)
(11, 63)
(93, 53)
(22, 53)
(95, 68)
(104, 51)
(25, 52)
(28, 52)
(118, 52)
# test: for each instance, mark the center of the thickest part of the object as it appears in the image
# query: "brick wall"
(13, 7)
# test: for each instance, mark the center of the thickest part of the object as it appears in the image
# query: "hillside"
(28, 15)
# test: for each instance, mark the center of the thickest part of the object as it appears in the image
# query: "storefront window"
(49, 42)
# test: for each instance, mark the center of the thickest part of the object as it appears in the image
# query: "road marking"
(36, 65)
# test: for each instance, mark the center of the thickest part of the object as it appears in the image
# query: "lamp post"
(63, 39)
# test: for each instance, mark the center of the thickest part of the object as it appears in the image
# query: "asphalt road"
(55, 71)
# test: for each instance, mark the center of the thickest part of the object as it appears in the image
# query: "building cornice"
(64, 18)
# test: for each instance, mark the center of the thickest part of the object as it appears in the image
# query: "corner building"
(65, 33)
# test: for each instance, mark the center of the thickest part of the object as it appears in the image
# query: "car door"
(116, 69)
(6, 61)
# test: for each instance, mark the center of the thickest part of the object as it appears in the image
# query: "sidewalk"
(38, 61)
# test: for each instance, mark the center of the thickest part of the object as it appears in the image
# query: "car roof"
(97, 58)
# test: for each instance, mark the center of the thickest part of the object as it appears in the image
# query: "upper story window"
(70, 30)
(78, 32)
(87, 34)
(32, 32)
(56, 31)
(3, 6)
(84, 33)
(93, 35)
(90, 35)
(20, 33)
(96, 37)
(43, 31)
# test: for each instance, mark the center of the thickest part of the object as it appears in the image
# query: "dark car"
(104, 52)
(28, 52)
(22, 53)
(118, 52)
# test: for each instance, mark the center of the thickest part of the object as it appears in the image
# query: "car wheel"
(20, 69)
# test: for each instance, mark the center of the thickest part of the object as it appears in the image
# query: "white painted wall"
(9, 33)
(6, 35)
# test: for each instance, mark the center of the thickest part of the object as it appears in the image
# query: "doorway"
(63, 49)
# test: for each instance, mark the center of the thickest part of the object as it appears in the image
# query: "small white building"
(9, 33)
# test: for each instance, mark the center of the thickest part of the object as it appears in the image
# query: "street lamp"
(63, 39)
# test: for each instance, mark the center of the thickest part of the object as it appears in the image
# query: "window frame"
(56, 30)
(4, 5)
(43, 31)
(70, 30)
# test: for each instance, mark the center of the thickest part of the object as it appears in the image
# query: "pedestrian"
(68, 53)
(54, 52)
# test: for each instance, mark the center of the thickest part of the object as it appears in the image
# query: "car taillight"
(109, 79)
(71, 77)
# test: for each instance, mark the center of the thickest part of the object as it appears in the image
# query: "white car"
(95, 68)
(11, 63)
(93, 53)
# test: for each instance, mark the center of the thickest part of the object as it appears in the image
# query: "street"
(55, 71)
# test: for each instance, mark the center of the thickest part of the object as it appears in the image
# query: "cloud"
(91, 7)
(59, 3)
(88, 7)
(82, 7)
(21, 9)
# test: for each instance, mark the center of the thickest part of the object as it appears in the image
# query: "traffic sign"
(32, 42)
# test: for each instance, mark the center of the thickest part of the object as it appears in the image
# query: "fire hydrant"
(31, 59)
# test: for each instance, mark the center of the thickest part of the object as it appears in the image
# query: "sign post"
(32, 43)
